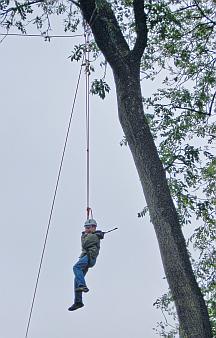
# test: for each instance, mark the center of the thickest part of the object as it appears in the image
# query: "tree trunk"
(191, 308)
(190, 305)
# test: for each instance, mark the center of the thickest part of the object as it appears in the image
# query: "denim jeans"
(80, 269)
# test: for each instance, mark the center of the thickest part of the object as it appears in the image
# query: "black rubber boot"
(75, 306)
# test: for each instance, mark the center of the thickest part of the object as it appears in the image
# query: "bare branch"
(191, 109)
(184, 8)
(177, 157)
(211, 105)
(184, 108)
(203, 13)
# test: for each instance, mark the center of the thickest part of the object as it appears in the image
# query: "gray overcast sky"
(37, 87)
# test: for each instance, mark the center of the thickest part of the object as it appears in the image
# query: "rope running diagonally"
(54, 198)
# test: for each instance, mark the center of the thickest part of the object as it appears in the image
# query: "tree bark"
(191, 308)
(190, 305)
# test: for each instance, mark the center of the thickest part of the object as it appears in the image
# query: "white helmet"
(89, 222)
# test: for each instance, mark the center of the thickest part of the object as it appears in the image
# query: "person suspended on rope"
(90, 241)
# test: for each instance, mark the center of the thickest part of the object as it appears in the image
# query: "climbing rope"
(87, 93)
(53, 201)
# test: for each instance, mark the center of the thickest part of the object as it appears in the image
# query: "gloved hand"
(99, 233)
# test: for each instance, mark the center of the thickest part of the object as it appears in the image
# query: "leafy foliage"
(100, 87)
(23, 14)
(181, 51)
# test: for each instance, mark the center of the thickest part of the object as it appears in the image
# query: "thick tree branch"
(141, 29)
(107, 32)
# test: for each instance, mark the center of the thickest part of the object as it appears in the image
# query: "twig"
(203, 13)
